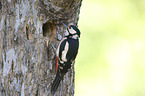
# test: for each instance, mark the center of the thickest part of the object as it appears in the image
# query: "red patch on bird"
(56, 63)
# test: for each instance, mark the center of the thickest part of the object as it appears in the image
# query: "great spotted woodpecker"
(66, 54)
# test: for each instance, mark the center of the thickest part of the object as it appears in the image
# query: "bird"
(66, 53)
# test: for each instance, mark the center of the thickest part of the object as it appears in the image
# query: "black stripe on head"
(76, 29)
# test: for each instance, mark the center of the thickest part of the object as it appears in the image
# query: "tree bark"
(27, 60)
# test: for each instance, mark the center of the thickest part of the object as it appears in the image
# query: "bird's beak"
(65, 25)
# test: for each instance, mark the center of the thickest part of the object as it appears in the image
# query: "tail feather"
(56, 82)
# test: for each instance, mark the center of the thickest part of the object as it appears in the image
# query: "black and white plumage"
(66, 53)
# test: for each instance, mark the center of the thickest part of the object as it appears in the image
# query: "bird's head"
(72, 31)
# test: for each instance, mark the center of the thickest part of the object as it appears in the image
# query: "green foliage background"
(111, 59)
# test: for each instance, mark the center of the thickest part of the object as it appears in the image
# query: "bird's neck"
(72, 36)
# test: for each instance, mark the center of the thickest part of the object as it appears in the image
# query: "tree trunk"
(27, 60)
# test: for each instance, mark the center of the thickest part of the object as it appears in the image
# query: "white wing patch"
(64, 52)
(57, 51)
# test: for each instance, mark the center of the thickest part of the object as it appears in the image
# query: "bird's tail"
(56, 82)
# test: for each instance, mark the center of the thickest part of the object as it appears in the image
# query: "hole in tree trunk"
(49, 30)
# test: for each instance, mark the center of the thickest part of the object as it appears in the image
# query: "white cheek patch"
(64, 52)
(72, 31)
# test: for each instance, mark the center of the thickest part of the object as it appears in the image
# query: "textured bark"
(27, 60)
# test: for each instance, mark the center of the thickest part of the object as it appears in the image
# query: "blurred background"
(111, 59)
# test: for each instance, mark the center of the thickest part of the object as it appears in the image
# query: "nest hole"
(49, 30)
